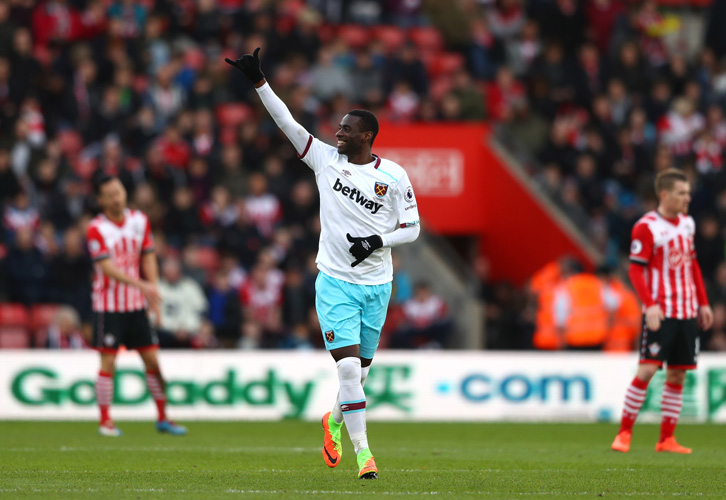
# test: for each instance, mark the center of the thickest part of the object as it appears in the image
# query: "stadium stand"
(591, 96)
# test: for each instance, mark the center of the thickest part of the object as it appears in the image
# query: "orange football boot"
(670, 445)
(332, 449)
(622, 441)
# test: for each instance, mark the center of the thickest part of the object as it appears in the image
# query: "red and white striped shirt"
(123, 243)
(666, 248)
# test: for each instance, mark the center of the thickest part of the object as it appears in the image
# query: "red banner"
(464, 188)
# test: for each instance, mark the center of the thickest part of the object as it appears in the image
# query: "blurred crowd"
(592, 96)
(601, 95)
(140, 90)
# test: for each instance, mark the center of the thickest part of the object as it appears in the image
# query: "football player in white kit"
(367, 206)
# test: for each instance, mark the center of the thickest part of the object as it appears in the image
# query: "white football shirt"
(362, 200)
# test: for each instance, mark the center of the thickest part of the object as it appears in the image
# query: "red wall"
(464, 188)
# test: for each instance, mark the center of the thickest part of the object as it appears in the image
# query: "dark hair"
(368, 122)
(666, 179)
(99, 179)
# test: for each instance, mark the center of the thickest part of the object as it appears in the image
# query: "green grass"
(282, 460)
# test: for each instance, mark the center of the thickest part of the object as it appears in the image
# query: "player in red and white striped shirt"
(667, 278)
(121, 245)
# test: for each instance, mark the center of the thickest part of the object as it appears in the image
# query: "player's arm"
(148, 289)
(150, 271)
(705, 314)
(407, 231)
(641, 250)
(249, 65)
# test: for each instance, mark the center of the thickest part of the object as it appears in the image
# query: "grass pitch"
(69, 460)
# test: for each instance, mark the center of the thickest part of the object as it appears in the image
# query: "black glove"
(363, 247)
(249, 65)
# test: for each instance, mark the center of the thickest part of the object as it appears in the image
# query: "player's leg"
(353, 405)
(375, 306)
(670, 407)
(651, 360)
(682, 358)
(142, 337)
(104, 394)
(157, 388)
(333, 420)
(339, 316)
(106, 342)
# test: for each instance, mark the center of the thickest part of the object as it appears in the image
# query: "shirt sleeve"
(641, 244)
(408, 218)
(317, 154)
(313, 152)
(406, 204)
(148, 243)
(96, 245)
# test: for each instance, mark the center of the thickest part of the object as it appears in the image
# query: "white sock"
(353, 401)
(337, 414)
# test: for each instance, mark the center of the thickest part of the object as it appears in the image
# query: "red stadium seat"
(42, 315)
(443, 63)
(427, 38)
(13, 315)
(392, 37)
(354, 36)
(14, 337)
(232, 114)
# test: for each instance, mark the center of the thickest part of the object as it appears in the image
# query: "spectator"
(182, 221)
(9, 185)
(25, 269)
(329, 79)
(64, 332)
(261, 299)
(582, 309)
(263, 208)
(427, 322)
(406, 66)
(69, 276)
(21, 215)
(183, 306)
(225, 312)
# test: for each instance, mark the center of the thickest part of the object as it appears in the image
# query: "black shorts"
(131, 329)
(676, 343)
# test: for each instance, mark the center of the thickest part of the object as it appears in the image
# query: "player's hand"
(151, 294)
(653, 317)
(156, 314)
(705, 317)
(363, 247)
(249, 65)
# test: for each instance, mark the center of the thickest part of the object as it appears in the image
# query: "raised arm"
(249, 65)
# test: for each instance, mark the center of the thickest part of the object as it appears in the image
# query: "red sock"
(104, 394)
(634, 398)
(670, 408)
(153, 381)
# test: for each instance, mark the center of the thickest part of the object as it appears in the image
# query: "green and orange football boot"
(367, 466)
(332, 449)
